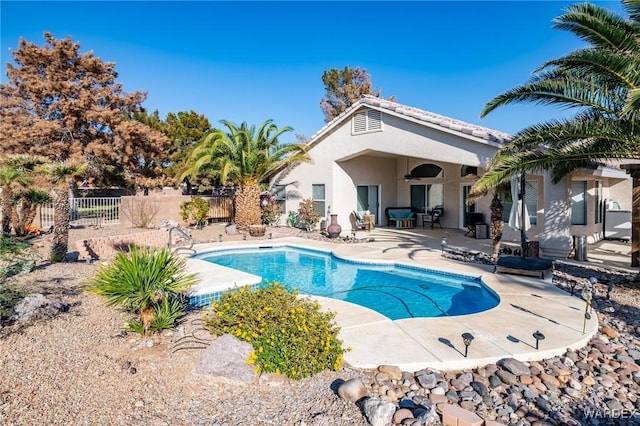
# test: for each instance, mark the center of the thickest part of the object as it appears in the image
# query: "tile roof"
(429, 117)
(419, 115)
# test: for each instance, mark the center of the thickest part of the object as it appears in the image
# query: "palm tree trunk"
(497, 224)
(30, 214)
(247, 206)
(16, 219)
(7, 199)
(61, 209)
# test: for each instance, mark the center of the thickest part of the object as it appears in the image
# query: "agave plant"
(148, 283)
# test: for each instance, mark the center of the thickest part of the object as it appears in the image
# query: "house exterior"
(380, 154)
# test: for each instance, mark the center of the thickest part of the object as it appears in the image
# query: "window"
(599, 202)
(531, 200)
(317, 194)
(280, 197)
(579, 202)
(366, 121)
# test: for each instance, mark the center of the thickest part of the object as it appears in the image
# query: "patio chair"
(471, 220)
(358, 221)
(433, 216)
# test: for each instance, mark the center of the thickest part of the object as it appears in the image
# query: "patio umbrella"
(519, 216)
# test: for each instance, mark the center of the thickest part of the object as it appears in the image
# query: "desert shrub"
(270, 209)
(16, 256)
(195, 211)
(289, 335)
(9, 297)
(307, 214)
(292, 219)
(146, 282)
(141, 211)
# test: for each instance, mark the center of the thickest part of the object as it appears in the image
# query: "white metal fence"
(94, 211)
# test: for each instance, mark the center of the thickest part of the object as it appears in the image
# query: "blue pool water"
(395, 291)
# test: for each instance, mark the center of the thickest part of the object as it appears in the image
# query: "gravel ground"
(75, 368)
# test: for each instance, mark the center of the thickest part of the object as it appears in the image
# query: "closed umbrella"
(519, 216)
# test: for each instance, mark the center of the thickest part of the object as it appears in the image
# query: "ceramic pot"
(334, 228)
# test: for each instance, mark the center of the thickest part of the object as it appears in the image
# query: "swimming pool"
(394, 290)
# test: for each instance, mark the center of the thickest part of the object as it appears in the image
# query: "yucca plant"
(147, 282)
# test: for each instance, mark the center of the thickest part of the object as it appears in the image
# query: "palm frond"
(565, 89)
(598, 26)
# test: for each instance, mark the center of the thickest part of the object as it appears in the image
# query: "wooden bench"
(405, 223)
(524, 266)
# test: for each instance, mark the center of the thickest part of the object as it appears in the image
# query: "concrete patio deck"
(527, 305)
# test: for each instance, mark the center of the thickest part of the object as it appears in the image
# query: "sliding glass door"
(369, 199)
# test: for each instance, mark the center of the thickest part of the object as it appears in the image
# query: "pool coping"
(526, 305)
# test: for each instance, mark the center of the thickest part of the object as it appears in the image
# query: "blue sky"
(252, 61)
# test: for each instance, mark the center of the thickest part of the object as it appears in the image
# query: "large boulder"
(37, 306)
(225, 360)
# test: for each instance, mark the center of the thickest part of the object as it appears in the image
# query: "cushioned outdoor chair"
(359, 222)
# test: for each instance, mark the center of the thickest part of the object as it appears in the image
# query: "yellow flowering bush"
(289, 334)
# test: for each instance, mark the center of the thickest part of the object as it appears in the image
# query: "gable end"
(366, 121)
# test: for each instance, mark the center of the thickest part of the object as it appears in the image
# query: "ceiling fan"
(407, 177)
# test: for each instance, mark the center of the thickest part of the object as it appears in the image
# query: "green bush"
(289, 335)
(145, 282)
(195, 211)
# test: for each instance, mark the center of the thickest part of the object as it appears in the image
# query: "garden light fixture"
(586, 295)
(538, 336)
(467, 338)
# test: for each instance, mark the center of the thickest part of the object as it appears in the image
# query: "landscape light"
(586, 295)
(538, 336)
(467, 338)
(443, 244)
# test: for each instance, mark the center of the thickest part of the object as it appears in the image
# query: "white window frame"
(318, 201)
(577, 200)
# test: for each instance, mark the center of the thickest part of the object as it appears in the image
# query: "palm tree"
(601, 81)
(244, 156)
(14, 170)
(62, 175)
(25, 207)
(8, 175)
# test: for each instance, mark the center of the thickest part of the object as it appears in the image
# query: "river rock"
(609, 332)
(378, 412)
(352, 390)
(401, 415)
(394, 372)
(480, 388)
(507, 377)
(427, 381)
(515, 367)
